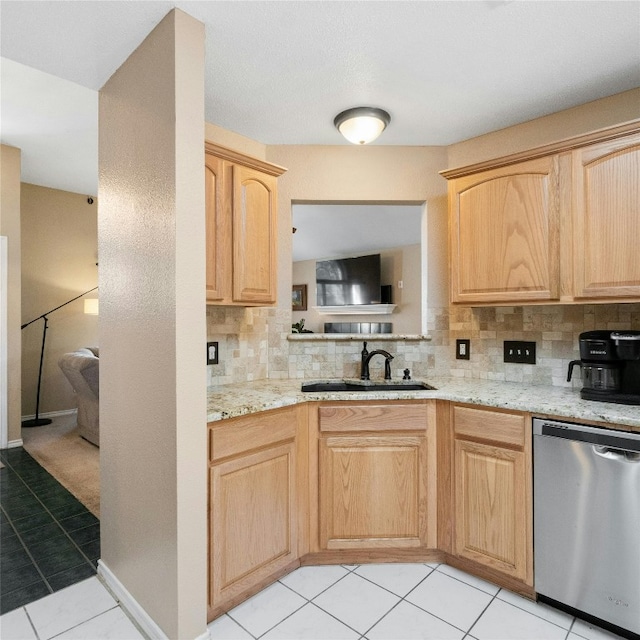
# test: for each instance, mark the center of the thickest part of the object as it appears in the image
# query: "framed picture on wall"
(299, 297)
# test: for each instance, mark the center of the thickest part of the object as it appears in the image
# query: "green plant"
(298, 327)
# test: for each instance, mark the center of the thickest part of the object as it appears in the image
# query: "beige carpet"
(70, 459)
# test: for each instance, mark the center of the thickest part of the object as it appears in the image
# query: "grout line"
(320, 593)
(393, 593)
(54, 518)
(403, 599)
(307, 601)
(444, 573)
(79, 624)
(31, 558)
(33, 626)
(482, 612)
(535, 614)
(336, 618)
(383, 617)
(279, 622)
(228, 616)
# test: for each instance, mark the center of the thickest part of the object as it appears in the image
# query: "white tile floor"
(83, 611)
(394, 602)
(367, 602)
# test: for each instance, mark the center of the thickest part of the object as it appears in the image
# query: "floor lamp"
(38, 421)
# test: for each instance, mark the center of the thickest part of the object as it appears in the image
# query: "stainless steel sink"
(341, 385)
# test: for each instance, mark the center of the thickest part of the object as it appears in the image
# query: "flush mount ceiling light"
(362, 125)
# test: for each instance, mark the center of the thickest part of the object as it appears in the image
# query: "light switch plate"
(520, 351)
(212, 353)
(463, 349)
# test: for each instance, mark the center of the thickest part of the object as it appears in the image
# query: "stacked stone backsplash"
(253, 344)
(555, 330)
(341, 359)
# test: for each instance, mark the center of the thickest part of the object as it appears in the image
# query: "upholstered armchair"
(81, 369)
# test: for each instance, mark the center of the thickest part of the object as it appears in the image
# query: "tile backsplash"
(253, 344)
(555, 329)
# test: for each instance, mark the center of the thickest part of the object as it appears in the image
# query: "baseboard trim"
(130, 604)
(146, 623)
(13, 444)
(51, 414)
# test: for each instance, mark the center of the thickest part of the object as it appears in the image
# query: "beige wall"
(59, 256)
(10, 227)
(402, 263)
(232, 140)
(354, 174)
(344, 173)
(253, 344)
(152, 327)
(378, 173)
(585, 118)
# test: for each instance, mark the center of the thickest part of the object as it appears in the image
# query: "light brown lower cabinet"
(493, 490)
(255, 497)
(374, 476)
(332, 482)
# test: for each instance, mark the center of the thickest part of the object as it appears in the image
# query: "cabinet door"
(373, 491)
(491, 507)
(254, 236)
(607, 219)
(504, 234)
(218, 236)
(253, 520)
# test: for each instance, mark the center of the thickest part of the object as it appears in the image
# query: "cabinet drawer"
(373, 417)
(238, 435)
(496, 426)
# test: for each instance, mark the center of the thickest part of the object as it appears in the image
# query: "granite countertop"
(228, 401)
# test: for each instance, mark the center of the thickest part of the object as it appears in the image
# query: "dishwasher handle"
(611, 453)
(608, 438)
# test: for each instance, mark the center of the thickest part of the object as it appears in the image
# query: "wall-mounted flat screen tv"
(348, 281)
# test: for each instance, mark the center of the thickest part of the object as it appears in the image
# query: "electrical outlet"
(212, 353)
(463, 349)
(520, 351)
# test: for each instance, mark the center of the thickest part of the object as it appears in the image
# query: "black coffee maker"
(610, 366)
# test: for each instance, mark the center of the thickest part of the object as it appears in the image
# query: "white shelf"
(341, 337)
(356, 310)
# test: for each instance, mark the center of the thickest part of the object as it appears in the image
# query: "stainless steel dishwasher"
(587, 520)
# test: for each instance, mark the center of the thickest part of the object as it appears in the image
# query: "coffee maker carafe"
(610, 366)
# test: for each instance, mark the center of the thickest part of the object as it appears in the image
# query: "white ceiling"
(54, 123)
(343, 231)
(279, 71)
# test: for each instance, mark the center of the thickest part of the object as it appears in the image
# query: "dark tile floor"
(48, 539)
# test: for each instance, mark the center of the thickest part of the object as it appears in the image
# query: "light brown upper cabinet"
(606, 219)
(557, 224)
(241, 228)
(504, 234)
